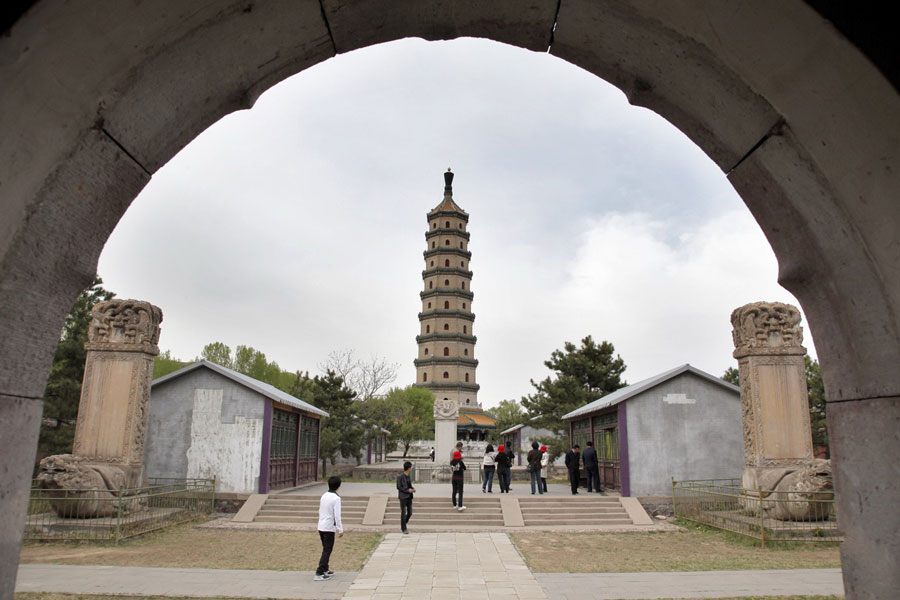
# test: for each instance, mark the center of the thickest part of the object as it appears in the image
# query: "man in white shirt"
(329, 523)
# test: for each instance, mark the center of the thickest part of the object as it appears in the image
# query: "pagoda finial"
(448, 182)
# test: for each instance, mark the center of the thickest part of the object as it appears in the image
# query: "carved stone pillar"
(446, 414)
(112, 413)
(768, 346)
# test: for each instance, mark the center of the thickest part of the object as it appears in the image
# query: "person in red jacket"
(458, 469)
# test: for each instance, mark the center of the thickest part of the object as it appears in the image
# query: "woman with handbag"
(534, 468)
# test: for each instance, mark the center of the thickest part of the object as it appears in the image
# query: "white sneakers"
(461, 508)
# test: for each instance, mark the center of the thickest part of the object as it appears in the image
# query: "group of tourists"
(499, 462)
(591, 467)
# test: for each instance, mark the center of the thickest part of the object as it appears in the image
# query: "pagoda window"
(464, 306)
(460, 245)
(462, 264)
(463, 285)
(466, 352)
(460, 225)
(446, 282)
(424, 377)
(467, 400)
(430, 284)
(431, 264)
(446, 327)
(428, 329)
(446, 375)
(446, 242)
(446, 351)
(446, 304)
(447, 263)
(447, 225)
(467, 381)
(429, 305)
(465, 329)
(426, 351)
(434, 225)
(432, 244)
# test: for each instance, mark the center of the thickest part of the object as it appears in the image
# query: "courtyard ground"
(690, 549)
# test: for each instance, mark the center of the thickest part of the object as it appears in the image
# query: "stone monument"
(112, 414)
(778, 450)
(446, 414)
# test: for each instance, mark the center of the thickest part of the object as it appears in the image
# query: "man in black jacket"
(572, 460)
(592, 468)
(405, 492)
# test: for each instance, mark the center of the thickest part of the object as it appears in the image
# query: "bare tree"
(365, 378)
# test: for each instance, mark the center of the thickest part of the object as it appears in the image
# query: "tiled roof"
(625, 393)
(269, 391)
(475, 417)
(447, 204)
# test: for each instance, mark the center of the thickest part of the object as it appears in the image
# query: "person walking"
(591, 467)
(534, 468)
(545, 467)
(502, 461)
(458, 469)
(572, 460)
(329, 523)
(405, 492)
(431, 454)
(489, 466)
(512, 459)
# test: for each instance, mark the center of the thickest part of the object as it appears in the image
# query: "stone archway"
(96, 98)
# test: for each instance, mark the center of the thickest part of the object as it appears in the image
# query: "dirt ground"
(687, 550)
(192, 547)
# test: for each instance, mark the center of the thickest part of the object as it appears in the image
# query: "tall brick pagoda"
(446, 362)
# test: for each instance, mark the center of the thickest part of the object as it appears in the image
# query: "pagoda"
(446, 362)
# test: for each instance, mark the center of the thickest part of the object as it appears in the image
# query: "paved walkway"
(446, 566)
(429, 566)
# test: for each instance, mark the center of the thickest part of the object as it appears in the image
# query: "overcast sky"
(298, 227)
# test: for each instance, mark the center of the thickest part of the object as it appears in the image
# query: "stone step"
(307, 514)
(566, 510)
(573, 521)
(417, 521)
(286, 519)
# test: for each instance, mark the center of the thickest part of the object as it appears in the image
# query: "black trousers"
(503, 475)
(327, 538)
(574, 476)
(405, 512)
(593, 479)
(457, 489)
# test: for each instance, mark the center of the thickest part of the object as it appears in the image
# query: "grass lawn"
(692, 549)
(191, 547)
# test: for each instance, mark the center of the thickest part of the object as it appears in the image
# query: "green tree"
(732, 376)
(411, 411)
(219, 353)
(583, 374)
(816, 398)
(508, 413)
(63, 391)
(165, 364)
(342, 432)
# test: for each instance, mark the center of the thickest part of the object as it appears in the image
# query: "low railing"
(761, 514)
(113, 515)
(435, 473)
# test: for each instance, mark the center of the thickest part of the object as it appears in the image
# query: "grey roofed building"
(520, 437)
(681, 424)
(206, 420)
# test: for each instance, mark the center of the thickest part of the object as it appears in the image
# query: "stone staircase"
(589, 509)
(305, 509)
(480, 512)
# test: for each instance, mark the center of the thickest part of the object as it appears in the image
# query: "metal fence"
(762, 514)
(435, 473)
(113, 515)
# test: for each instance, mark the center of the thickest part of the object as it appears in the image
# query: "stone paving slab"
(446, 566)
(207, 583)
(696, 584)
